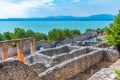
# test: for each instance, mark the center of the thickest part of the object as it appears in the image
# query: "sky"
(44, 8)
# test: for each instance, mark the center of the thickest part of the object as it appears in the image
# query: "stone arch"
(4, 45)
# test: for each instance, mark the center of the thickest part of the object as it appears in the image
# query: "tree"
(113, 32)
(89, 30)
(66, 33)
(19, 33)
(100, 30)
(29, 33)
(74, 32)
(1, 37)
(55, 35)
(7, 36)
(39, 36)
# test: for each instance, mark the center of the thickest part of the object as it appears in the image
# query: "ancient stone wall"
(16, 70)
(79, 43)
(64, 65)
(38, 67)
(38, 58)
(42, 43)
(55, 51)
(48, 56)
(66, 56)
(6, 45)
(72, 67)
(107, 73)
(84, 36)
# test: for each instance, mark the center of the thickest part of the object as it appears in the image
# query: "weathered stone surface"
(38, 58)
(84, 36)
(115, 65)
(104, 74)
(55, 51)
(71, 67)
(38, 67)
(42, 43)
(67, 40)
(16, 70)
(66, 56)
(90, 43)
(111, 55)
(8, 51)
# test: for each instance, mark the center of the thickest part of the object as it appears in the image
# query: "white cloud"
(8, 8)
(75, 0)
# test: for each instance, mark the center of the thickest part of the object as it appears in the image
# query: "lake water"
(45, 26)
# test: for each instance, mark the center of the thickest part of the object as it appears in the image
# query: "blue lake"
(45, 26)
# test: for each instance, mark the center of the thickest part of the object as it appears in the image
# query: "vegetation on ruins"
(117, 71)
(59, 34)
(53, 35)
(113, 32)
(21, 33)
(99, 30)
(13, 44)
(89, 29)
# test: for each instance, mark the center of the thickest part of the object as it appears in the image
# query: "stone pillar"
(32, 44)
(20, 52)
(5, 51)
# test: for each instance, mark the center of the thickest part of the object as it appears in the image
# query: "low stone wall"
(16, 70)
(72, 67)
(55, 51)
(64, 65)
(38, 58)
(48, 60)
(66, 56)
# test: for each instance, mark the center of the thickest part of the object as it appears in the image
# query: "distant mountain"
(100, 17)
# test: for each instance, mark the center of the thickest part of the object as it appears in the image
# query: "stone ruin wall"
(55, 51)
(16, 70)
(76, 65)
(62, 71)
(69, 68)
(6, 47)
(42, 43)
(54, 56)
(46, 54)
(67, 40)
(107, 73)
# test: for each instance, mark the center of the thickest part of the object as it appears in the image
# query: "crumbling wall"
(38, 67)
(6, 47)
(55, 51)
(16, 70)
(66, 56)
(42, 43)
(73, 66)
(37, 58)
(107, 73)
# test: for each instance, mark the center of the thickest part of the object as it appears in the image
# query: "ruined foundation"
(61, 63)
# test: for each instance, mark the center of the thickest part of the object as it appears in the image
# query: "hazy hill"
(99, 17)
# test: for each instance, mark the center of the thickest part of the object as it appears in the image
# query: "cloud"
(19, 8)
(75, 0)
